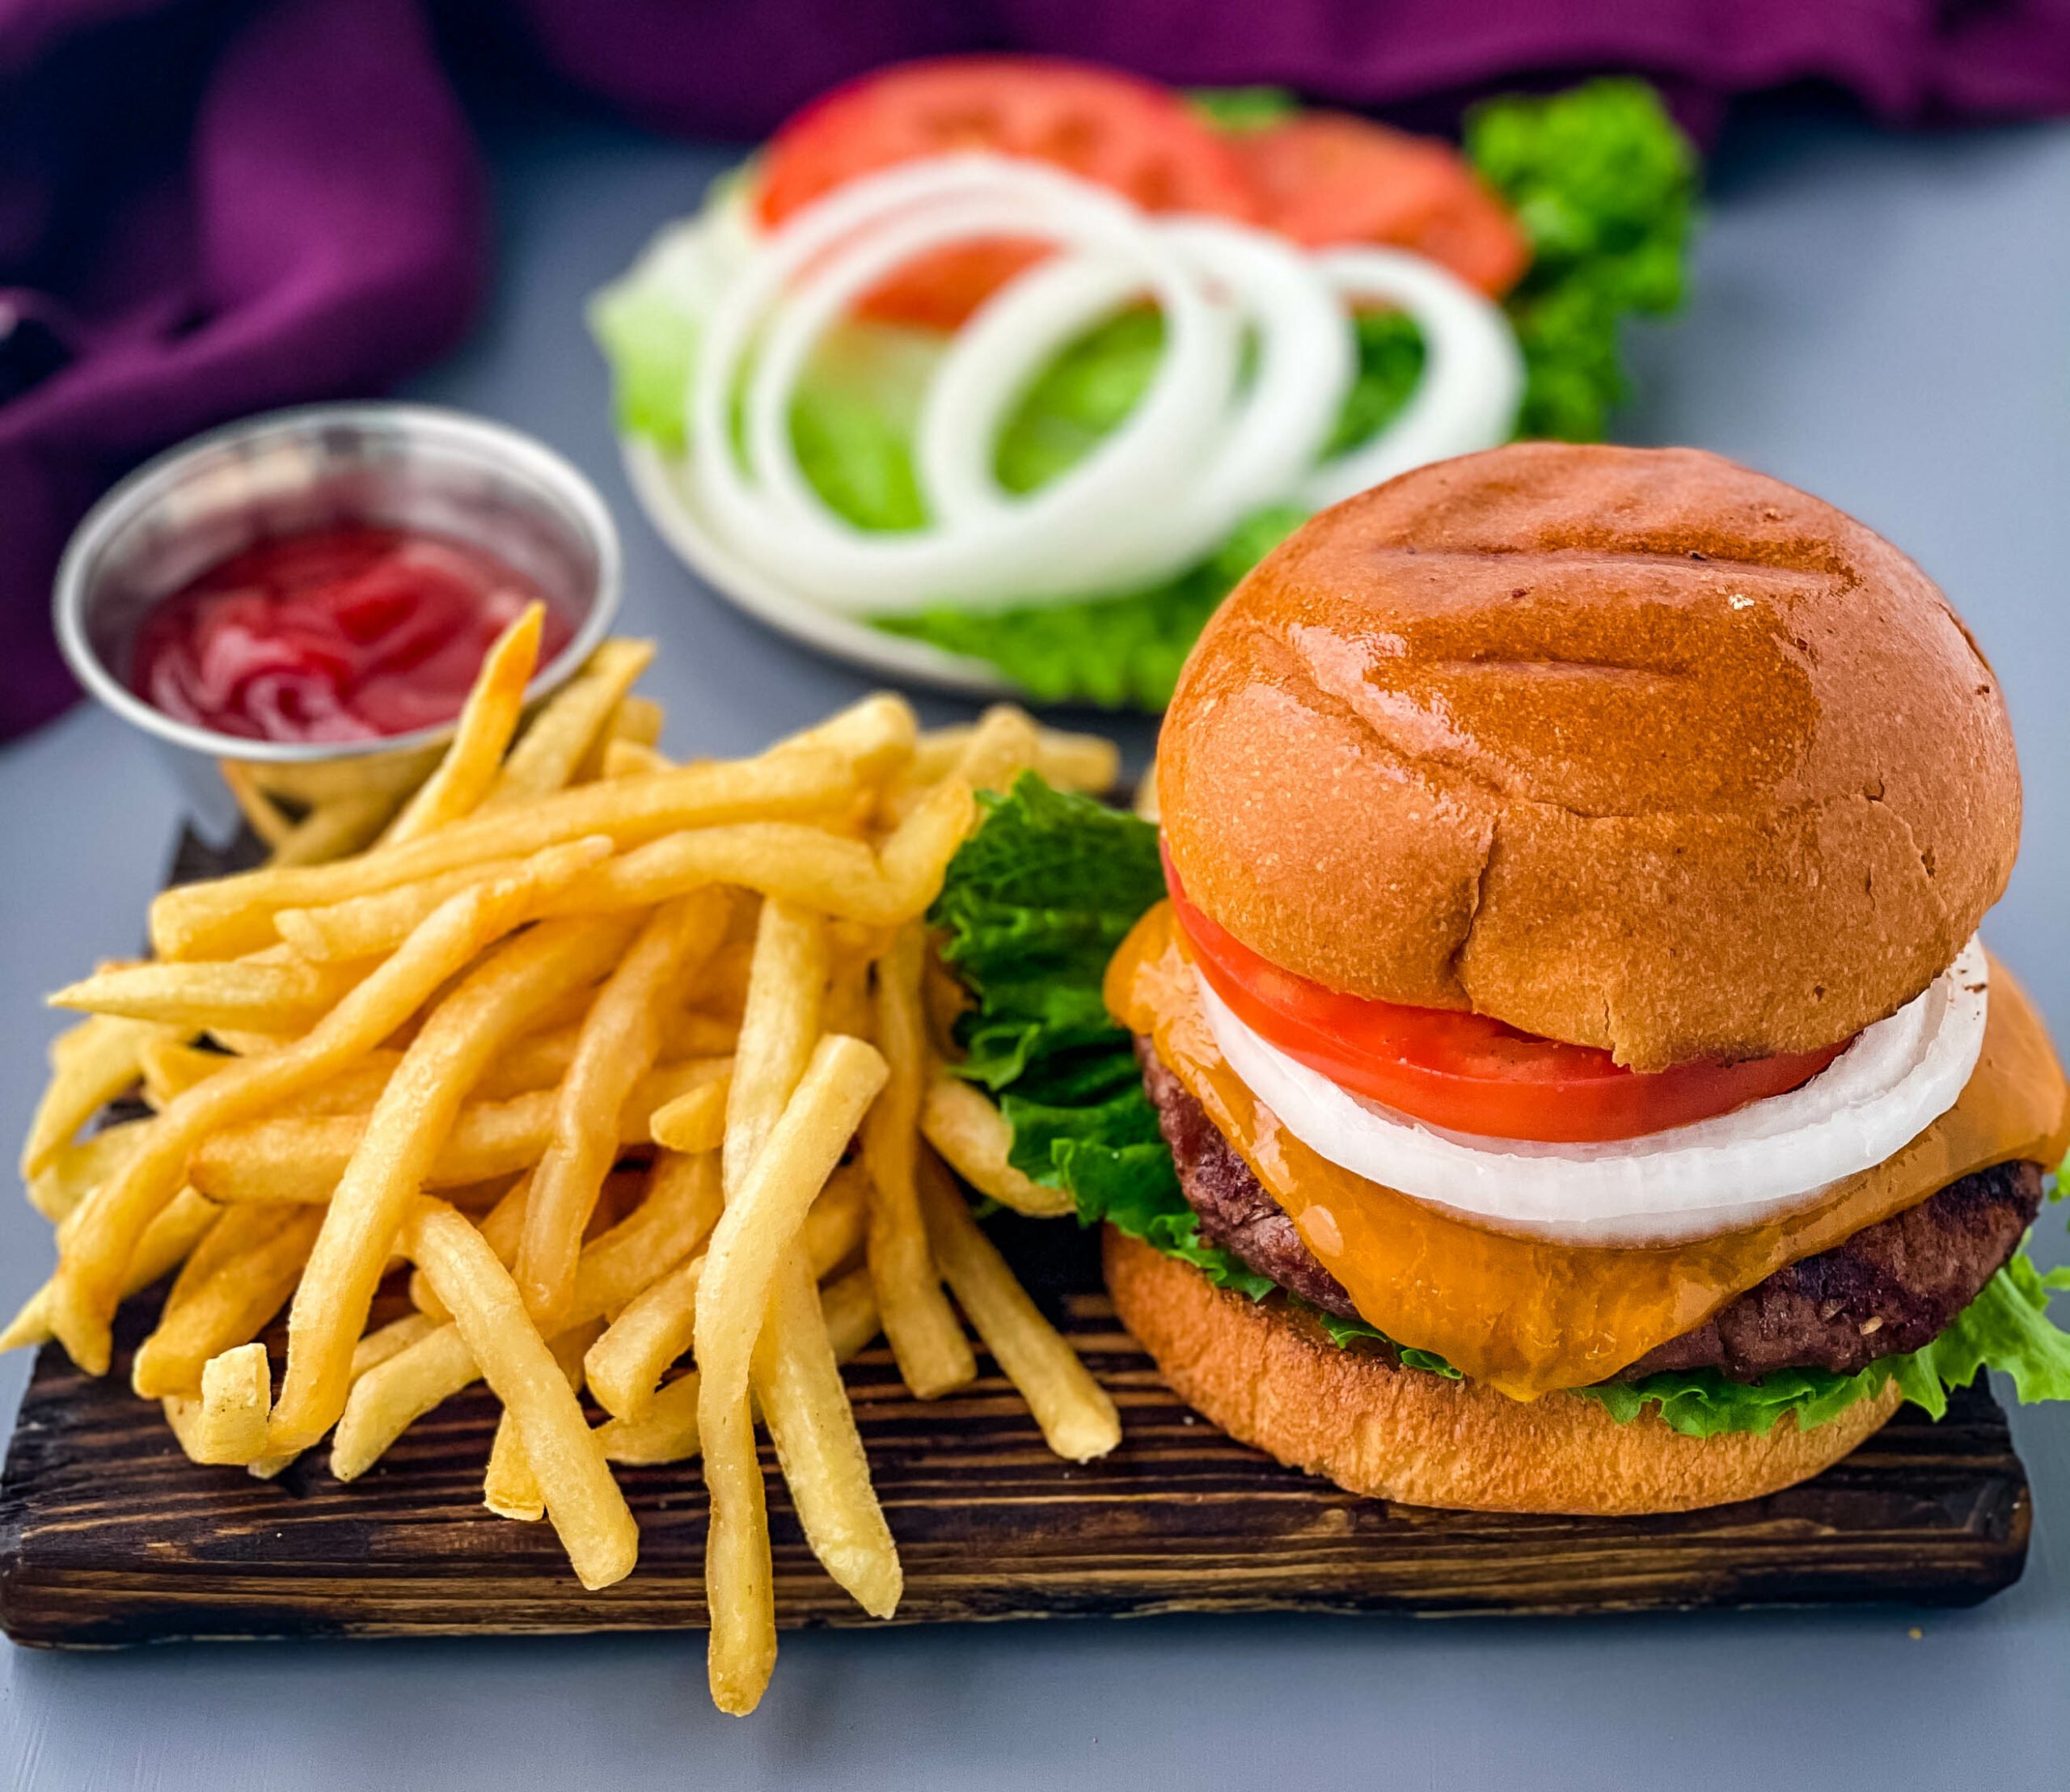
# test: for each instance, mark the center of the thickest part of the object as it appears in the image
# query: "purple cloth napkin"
(210, 207)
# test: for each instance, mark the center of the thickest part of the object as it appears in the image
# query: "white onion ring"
(1254, 457)
(1891, 1083)
(790, 532)
(1472, 370)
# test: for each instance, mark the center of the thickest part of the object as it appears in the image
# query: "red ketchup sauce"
(343, 634)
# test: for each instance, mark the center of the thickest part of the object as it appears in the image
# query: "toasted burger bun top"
(1630, 747)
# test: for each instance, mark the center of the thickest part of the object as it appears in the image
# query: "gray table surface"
(1881, 319)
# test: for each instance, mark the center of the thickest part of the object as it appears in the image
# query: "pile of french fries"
(632, 1069)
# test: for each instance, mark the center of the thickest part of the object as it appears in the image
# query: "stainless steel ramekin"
(402, 465)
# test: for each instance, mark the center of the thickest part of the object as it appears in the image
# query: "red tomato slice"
(1328, 177)
(1112, 128)
(1469, 1072)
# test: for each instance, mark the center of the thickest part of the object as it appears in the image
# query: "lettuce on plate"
(1600, 177)
(1034, 904)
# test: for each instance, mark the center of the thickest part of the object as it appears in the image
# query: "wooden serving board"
(108, 1535)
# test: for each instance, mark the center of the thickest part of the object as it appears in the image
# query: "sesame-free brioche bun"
(1268, 1377)
(1630, 747)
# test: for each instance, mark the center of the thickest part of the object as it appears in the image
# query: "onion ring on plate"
(1761, 1161)
(1258, 453)
(819, 554)
(1095, 500)
(1473, 372)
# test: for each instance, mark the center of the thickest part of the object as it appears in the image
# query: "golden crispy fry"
(961, 1123)
(509, 1489)
(333, 829)
(261, 814)
(1087, 763)
(232, 915)
(587, 1511)
(90, 1064)
(487, 721)
(398, 1149)
(618, 1046)
(1078, 1419)
(682, 1204)
(363, 926)
(926, 1336)
(73, 1172)
(307, 784)
(502, 1226)
(114, 1217)
(268, 998)
(669, 1432)
(780, 1026)
(236, 1386)
(748, 1245)
(167, 1241)
(630, 759)
(171, 1068)
(796, 1378)
(551, 749)
(300, 1159)
(391, 1339)
(238, 1277)
(637, 720)
(696, 1121)
(876, 735)
(626, 1364)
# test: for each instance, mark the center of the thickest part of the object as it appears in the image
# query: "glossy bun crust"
(1631, 747)
(1271, 1379)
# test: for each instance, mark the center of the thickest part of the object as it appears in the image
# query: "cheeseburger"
(1568, 1004)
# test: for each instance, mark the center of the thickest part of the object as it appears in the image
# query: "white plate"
(657, 482)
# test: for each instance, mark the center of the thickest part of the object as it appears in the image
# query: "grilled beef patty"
(1890, 1288)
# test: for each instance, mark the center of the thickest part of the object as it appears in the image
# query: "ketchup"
(343, 634)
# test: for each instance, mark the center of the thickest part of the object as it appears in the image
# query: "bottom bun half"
(1270, 1378)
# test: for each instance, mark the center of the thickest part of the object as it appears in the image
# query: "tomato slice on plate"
(1328, 178)
(1469, 1072)
(1119, 132)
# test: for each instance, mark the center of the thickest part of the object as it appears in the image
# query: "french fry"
(1086, 762)
(618, 1046)
(926, 1336)
(164, 1246)
(238, 1277)
(657, 1324)
(1146, 793)
(961, 1123)
(362, 926)
(1077, 1417)
(335, 828)
(583, 1502)
(779, 1027)
(503, 1225)
(569, 722)
(377, 1346)
(228, 915)
(509, 1489)
(487, 722)
(307, 784)
(398, 1149)
(236, 1388)
(682, 1204)
(261, 813)
(268, 998)
(637, 720)
(748, 1245)
(92, 1263)
(695, 1121)
(69, 1175)
(669, 1431)
(875, 735)
(90, 1064)
(300, 1159)
(796, 1378)
(630, 759)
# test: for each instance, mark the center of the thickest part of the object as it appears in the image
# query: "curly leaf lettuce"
(1033, 906)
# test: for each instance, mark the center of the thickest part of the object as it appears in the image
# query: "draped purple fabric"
(210, 208)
